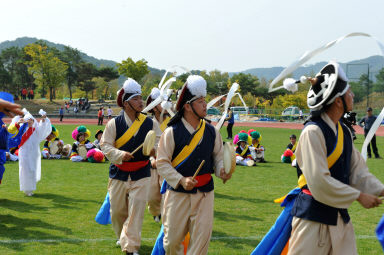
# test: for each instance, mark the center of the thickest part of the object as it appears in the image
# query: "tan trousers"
(309, 237)
(183, 213)
(128, 201)
(154, 196)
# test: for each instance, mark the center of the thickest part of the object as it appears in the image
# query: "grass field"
(59, 218)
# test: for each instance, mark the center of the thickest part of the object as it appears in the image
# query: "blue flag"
(380, 232)
(277, 237)
(103, 216)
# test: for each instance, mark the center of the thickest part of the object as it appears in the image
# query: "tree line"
(45, 69)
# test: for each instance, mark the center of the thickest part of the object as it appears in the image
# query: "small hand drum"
(66, 152)
(82, 151)
(55, 147)
(149, 142)
(229, 158)
(250, 162)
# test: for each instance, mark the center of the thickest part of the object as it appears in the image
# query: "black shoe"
(369, 156)
(377, 156)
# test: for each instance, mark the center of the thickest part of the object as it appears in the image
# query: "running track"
(288, 125)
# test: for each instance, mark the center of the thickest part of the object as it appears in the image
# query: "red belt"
(202, 180)
(132, 166)
(306, 191)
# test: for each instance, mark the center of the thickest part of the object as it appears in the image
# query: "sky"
(226, 35)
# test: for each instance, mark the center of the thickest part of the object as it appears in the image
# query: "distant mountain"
(23, 41)
(354, 69)
(351, 68)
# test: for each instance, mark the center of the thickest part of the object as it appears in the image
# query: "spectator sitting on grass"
(243, 153)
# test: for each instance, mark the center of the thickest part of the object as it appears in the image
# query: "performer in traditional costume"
(81, 145)
(29, 152)
(129, 174)
(257, 150)
(52, 140)
(332, 173)
(161, 117)
(188, 202)
(243, 153)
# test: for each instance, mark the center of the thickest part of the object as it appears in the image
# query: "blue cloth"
(277, 237)
(3, 135)
(103, 216)
(6, 97)
(14, 141)
(380, 232)
(158, 249)
(2, 162)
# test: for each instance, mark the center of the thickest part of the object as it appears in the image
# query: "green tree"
(47, 69)
(379, 84)
(247, 82)
(13, 60)
(73, 59)
(108, 74)
(5, 77)
(216, 82)
(135, 70)
(86, 72)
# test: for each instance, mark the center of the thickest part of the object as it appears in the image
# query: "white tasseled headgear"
(197, 86)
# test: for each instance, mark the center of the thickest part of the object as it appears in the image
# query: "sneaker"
(157, 218)
(118, 243)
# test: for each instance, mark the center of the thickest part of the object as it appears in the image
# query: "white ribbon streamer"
(163, 95)
(371, 133)
(214, 101)
(241, 98)
(308, 55)
(230, 94)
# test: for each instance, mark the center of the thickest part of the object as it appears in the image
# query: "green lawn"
(60, 216)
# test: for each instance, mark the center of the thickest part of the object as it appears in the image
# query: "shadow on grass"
(63, 201)
(251, 200)
(232, 217)
(146, 249)
(23, 229)
(21, 206)
(237, 243)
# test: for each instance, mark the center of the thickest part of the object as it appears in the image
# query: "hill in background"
(352, 70)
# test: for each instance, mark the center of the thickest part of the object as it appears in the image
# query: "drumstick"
(198, 169)
(138, 148)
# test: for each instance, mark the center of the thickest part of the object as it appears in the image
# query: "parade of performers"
(188, 201)
(166, 156)
(129, 174)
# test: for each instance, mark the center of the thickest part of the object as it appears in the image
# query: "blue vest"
(133, 143)
(306, 207)
(203, 151)
(232, 119)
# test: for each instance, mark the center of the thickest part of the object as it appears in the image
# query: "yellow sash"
(244, 151)
(294, 147)
(189, 148)
(333, 157)
(163, 125)
(130, 131)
